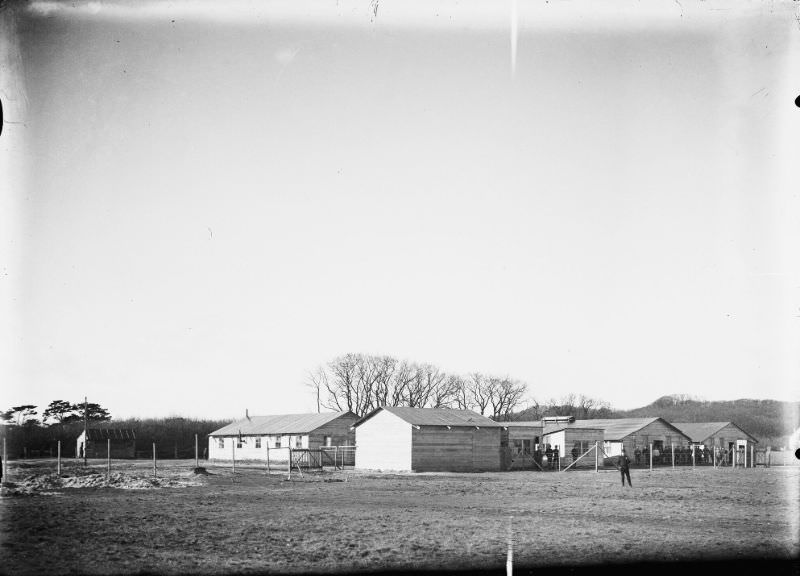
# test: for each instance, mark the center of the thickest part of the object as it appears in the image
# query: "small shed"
(95, 441)
(428, 440)
(720, 435)
(251, 437)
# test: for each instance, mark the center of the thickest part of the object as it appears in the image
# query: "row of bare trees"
(361, 383)
(581, 406)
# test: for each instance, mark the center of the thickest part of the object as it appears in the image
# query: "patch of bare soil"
(252, 522)
(51, 484)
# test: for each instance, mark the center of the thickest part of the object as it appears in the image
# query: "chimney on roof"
(246, 414)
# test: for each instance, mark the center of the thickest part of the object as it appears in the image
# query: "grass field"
(354, 521)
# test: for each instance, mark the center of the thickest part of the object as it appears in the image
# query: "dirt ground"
(182, 522)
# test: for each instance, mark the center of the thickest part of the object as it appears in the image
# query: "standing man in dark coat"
(624, 463)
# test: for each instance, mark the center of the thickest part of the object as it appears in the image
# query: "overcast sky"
(208, 200)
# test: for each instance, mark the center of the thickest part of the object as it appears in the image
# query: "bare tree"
(588, 408)
(402, 379)
(383, 390)
(417, 390)
(479, 391)
(450, 393)
(361, 383)
(440, 393)
(317, 382)
(460, 392)
(582, 407)
(505, 396)
(341, 391)
(534, 411)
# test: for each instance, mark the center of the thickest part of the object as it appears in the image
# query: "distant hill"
(771, 421)
(764, 419)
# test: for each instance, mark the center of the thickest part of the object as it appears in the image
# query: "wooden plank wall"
(339, 430)
(729, 433)
(584, 436)
(119, 449)
(458, 449)
(524, 433)
(655, 431)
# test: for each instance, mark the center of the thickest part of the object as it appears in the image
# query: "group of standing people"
(546, 458)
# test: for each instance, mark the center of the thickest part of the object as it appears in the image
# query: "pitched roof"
(110, 433)
(522, 424)
(280, 424)
(565, 426)
(699, 431)
(436, 417)
(618, 428)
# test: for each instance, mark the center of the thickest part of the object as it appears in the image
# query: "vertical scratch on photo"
(510, 554)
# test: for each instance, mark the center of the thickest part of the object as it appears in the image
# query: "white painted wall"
(556, 439)
(248, 450)
(384, 443)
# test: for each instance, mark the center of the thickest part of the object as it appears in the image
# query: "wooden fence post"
(155, 474)
(233, 454)
(196, 453)
(693, 451)
(58, 466)
(5, 463)
(290, 463)
(752, 456)
(596, 456)
(673, 455)
(108, 460)
(651, 457)
(268, 470)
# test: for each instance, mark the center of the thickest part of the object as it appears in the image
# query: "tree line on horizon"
(27, 433)
(361, 383)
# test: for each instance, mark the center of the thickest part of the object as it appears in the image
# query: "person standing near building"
(624, 463)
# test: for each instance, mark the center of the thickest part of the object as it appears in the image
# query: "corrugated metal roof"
(699, 431)
(618, 428)
(522, 424)
(110, 433)
(279, 424)
(436, 417)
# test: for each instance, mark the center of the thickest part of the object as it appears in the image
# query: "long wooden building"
(635, 434)
(251, 437)
(428, 440)
(726, 435)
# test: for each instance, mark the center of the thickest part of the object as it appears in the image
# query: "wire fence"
(594, 456)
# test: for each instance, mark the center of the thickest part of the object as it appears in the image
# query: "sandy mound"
(50, 484)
